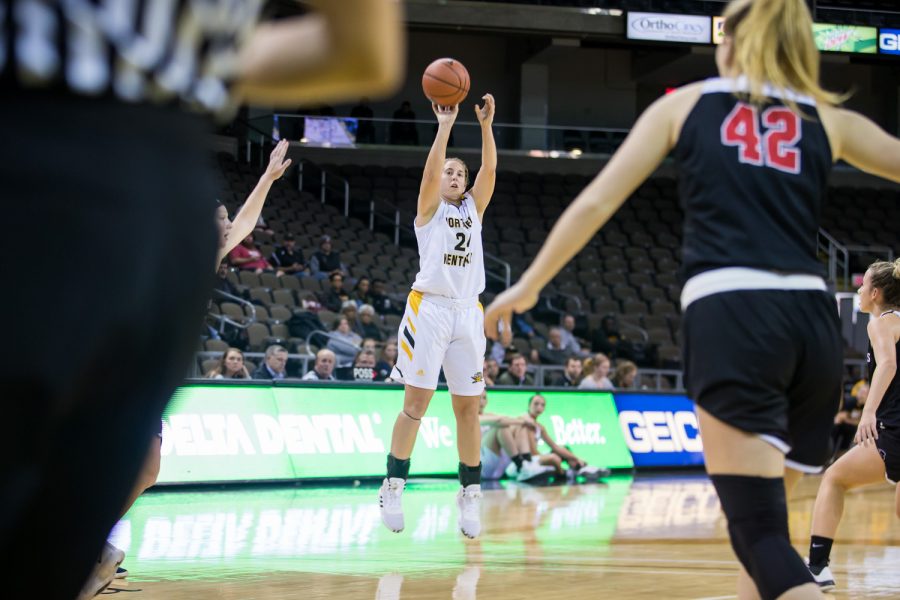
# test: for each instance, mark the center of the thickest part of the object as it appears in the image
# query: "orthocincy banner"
(217, 433)
(660, 430)
(669, 28)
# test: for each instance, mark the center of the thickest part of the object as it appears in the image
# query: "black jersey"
(134, 50)
(889, 409)
(752, 181)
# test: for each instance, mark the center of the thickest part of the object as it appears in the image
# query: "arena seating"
(629, 269)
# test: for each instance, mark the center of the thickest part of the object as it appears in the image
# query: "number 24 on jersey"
(776, 147)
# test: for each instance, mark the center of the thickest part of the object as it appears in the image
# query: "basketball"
(446, 82)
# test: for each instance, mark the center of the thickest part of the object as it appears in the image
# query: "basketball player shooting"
(443, 322)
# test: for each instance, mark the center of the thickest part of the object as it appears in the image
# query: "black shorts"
(888, 444)
(768, 362)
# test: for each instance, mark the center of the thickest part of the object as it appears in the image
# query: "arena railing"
(648, 379)
(838, 259)
(542, 140)
(224, 320)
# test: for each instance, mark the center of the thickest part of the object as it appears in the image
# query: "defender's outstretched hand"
(517, 298)
(277, 164)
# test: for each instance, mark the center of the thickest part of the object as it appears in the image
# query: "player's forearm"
(488, 149)
(248, 215)
(346, 49)
(881, 380)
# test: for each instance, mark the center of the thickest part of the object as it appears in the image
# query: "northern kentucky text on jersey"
(463, 239)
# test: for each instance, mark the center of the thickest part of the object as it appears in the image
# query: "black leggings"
(108, 251)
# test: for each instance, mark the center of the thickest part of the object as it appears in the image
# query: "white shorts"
(441, 332)
(493, 466)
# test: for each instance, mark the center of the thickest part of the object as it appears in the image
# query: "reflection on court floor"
(651, 537)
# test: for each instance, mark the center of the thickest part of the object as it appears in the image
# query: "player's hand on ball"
(517, 299)
(485, 113)
(277, 163)
(445, 114)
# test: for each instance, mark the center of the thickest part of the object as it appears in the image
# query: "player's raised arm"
(430, 188)
(862, 143)
(248, 215)
(487, 174)
(343, 50)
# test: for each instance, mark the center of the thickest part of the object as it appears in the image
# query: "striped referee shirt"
(136, 50)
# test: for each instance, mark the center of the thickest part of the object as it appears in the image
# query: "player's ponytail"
(773, 43)
(886, 277)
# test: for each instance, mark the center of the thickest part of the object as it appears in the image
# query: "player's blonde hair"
(773, 43)
(886, 277)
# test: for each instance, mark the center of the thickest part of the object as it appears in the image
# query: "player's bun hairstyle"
(886, 277)
(773, 43)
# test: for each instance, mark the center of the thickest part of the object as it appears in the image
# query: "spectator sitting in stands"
(554, 353)
(324, 367)
(490, 371)
(608, 340)
(247, 256)
(231, 366)
(309, 302)
(364, 366)
(324, 261)
(522, 326)
(274, 364)
(362, 293)
(404, 133)
(596, 373)
(369, 344)
(289, 258)
(388, 360)
(570, 341)
(625, 375)
(517, 374)
(368, 326)
(344, 342)
(381, 302)
(571, 377)
(847, 419)
(336, 295)
(348, 310)
(222, 284)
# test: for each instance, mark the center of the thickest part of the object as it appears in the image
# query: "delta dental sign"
(669, 28)
(217, 433)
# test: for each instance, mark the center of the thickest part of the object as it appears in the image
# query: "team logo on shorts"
(477, 377)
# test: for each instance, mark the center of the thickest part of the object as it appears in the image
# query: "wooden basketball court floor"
(650, 537)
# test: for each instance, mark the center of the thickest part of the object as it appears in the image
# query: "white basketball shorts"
(441, 332)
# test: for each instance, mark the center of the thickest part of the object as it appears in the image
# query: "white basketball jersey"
(451, 257)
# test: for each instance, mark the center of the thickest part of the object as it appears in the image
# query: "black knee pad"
(756, 509)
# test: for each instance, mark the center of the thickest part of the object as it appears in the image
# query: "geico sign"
(660, 431)
(889, 41)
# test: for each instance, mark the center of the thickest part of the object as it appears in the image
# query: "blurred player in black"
(762, 348)
(104, 109)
